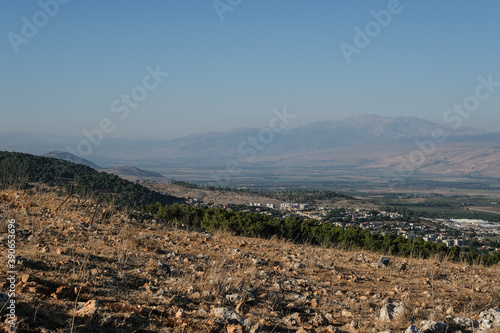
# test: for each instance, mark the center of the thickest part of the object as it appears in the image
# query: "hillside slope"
(129, 273)
(21, 171)
(72, 158)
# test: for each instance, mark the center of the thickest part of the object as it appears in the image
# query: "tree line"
(19, 171)
(314, 233)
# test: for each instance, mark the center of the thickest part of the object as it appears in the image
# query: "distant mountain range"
(360, 144)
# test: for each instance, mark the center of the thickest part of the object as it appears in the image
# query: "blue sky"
(231, 73)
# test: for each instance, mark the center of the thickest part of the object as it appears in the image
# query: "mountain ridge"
(359, 143)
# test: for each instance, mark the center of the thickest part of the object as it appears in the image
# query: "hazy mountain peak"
(64, 155)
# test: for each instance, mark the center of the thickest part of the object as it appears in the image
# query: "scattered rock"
(346, 314)
(89, 309)
(490, 318)
(234, 328)
(164, 268)
(180, 314)
(319, 320)
(384, 262)
(461, 323)
(228, 314)
(431, 326)
(413, 329)
(25, 278)
(234, 298)
(298, 265)
(332, 329)
(258, 328)
(391, 310)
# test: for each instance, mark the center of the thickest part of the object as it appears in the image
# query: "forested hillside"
(21, 171)
(311, 232)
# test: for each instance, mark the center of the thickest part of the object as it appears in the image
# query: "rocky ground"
(83, 268)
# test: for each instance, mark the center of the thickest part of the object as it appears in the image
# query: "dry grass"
(121, 261)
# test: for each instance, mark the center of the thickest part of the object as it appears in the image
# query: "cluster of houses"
(364, 219)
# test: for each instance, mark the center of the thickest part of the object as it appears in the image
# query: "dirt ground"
(88, 268)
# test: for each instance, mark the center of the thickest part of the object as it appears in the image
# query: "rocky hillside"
(90, 268)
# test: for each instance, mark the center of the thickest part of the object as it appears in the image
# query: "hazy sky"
(84, 57)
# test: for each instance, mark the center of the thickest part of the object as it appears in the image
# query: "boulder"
(490, 318)
(391, 311)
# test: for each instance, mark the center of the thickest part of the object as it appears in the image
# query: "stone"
(413, 329)
(228, 314)
(461, 322)
(319, 320)
(248, 324)
(384, 262)
(314, 303)
(298, 265)
(346, 314)
(332, 329)
(25, 278)
(257, 328)
(391, 310)
(234, 298)
(89, 309)
(490, 318)
(164, 268)
(432, 326)
(180, 314)
(234, 328)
